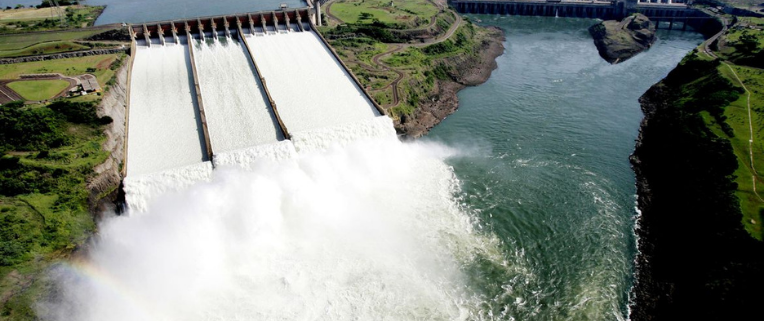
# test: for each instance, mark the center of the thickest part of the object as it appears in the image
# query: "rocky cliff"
(617, 41)
(104, 186)
(695, 260)
(464, 70)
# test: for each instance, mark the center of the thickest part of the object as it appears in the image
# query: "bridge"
(665, 13)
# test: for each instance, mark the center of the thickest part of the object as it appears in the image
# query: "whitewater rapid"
(363, 228)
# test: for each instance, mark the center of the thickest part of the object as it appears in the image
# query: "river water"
(533, 221)
(550, 135)
(135, 11)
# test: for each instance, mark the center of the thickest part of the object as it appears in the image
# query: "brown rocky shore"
(465, 70)
(618, 41)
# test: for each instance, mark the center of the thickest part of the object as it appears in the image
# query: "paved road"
(7, 94)
(709, 41)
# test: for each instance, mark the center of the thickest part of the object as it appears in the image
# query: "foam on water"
(141, 190)
(340, 135)
(380, 127)
(248, 157)
(363, 230)
(300, 71)
(164, 128)
(237, 113)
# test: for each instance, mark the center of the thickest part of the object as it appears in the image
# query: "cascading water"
(164, 127)
(300, 71)
(355, 230)
(238, 115)
(165, 149)
(346, 223)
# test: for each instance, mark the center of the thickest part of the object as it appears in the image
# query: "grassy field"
(412, 13)
(20, 41)
(99, 66)
(736, 114)
(43, 48)
(38, 89)
(29, 14)
(43, 19)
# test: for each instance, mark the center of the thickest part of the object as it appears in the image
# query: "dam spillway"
(328, 95)
(238, 114)
(164, 123)
(229, 91)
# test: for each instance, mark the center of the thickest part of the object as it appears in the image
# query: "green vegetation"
(46, 18)
(47, 155)
(423, 66)
(734, 125)
(44, 48)
(38, 89)
(15, 45)
(399, 71)
(743, 48)
(691, 206)
(407, 14)
(101, 66)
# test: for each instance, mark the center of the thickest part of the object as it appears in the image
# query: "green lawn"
(38, 89)
(43, 48)
(737, 117)
(68, 66)
(13, 42)
(365, 11)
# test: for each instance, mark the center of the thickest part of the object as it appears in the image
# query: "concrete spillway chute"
(200, 27)
(299, 20)
(227, 27)
(188, 32)
(214, 26)
(132, 34)
(175, 33)
(147, 35)
(160, 33)
(276, 22)
(251, 25)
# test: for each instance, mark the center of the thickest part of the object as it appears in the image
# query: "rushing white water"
(363, 230)
(141, 190)
(238, 115)
(164, 131)
(308, 85)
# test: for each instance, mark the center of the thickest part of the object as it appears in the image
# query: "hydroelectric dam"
(230, 90)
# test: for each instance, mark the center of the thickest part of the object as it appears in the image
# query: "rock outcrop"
(617, 41)
(104, 186)
(464, 70)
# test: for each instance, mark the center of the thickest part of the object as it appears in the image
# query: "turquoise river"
(550, 134)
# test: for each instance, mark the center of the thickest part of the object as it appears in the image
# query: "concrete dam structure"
(665, 13)
(227, 91)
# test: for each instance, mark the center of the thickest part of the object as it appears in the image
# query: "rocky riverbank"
(464, 70)
(618, 41)
(104, 187)
(695, 260)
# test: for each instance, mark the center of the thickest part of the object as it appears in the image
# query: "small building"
(89, 84)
